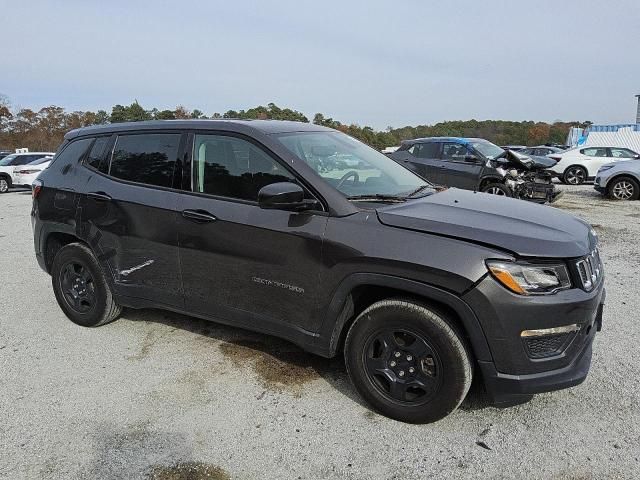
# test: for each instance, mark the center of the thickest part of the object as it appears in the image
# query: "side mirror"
(471, 158)
(284, 196)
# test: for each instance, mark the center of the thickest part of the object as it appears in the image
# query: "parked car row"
(518, 171)
(477, 164)
(21, 169)
(578, 165)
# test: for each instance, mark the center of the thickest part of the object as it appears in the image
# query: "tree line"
(44, 129)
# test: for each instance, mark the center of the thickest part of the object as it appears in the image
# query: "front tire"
(81, 288)
(4, 185)
(575, 175)
(497, 189)
(624, 188)
(407, 361)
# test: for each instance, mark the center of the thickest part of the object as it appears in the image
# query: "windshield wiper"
(377, 197)
(419, 189)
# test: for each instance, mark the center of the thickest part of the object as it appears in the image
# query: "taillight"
(36, 187)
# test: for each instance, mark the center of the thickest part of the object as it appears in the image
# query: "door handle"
(99, 196)
(199, 216)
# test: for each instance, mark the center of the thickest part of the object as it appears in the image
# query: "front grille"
(589, 270)
(547, 345)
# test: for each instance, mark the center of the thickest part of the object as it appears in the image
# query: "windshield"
(352, 167)
(488, 149)
(7, 160)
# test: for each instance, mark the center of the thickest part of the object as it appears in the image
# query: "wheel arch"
(7, 177)
(620, 175)
(616, 177)
(360, 290)
(53, 242)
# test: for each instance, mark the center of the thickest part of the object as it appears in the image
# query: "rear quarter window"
(73, 152)
(96, 154)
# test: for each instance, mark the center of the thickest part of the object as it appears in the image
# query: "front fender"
(337, 312)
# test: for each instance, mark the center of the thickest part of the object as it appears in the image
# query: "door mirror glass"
(284, 196)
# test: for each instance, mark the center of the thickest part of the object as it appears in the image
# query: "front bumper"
(517, 371)
(600, 184)
(538, 192)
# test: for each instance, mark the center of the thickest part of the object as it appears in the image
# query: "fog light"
(550, 331)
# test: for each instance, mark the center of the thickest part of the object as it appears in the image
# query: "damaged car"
(479, 165)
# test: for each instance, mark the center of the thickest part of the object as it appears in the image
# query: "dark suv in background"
(476, 164)
(303, 232)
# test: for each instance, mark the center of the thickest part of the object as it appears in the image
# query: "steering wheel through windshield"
(346, 176)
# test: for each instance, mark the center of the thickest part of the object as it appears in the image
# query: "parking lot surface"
(159, 395)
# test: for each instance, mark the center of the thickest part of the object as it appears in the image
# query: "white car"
(620, 180)
(8, 164)
(24, 175)
(578, 165)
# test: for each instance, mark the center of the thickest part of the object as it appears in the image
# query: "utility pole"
(638, 112)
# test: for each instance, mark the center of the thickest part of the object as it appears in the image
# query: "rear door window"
(425, 150)
(148, 158)
(594, 152)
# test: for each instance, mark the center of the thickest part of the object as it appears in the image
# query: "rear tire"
(623, 188)
(407, 361)
(81, 288)
(575, 175)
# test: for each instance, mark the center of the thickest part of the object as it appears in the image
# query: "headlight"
(605, 167)
(530, 278)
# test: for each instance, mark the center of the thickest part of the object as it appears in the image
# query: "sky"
(377, 63)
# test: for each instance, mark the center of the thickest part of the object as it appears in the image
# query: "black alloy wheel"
(81, 288)
(403, 365)
(78, 287)
(408, 360)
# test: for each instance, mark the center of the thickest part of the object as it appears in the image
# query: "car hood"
(530, 162)
(517, 226)
(629, 165)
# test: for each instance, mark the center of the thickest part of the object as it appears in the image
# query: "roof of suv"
(264, 126)
(462, 140)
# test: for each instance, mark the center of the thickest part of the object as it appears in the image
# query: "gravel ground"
(164, 396)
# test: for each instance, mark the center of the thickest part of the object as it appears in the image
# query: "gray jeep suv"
(303, 232)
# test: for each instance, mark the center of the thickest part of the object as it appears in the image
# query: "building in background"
(623, 135)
